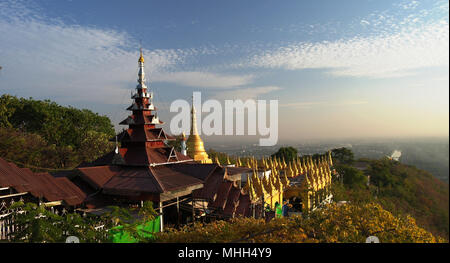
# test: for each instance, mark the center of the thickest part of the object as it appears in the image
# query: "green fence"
(118, 235)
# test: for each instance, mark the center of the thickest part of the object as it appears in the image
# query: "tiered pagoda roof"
(143, 144)
(145, 168)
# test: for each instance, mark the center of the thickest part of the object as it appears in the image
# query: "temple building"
(145, 168)
(304, 180)
(313, 181)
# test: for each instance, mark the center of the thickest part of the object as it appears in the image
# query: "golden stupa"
(195, 148)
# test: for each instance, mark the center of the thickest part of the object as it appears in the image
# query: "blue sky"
(338, 68)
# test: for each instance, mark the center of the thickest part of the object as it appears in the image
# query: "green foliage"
(352, 177)
(44, 134)
(94, 145)
(39, 225)
(62, 126)
(288, 153)
(244, 230)
(357, 195)
(354, 223)
(335, 223)
(381, 174)
(342, 155)
(6, 105)
(130, 220)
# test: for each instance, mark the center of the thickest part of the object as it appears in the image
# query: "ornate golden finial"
(141, 57)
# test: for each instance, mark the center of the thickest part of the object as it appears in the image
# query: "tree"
(94, 145)
(381, 173)
(288, 153)
(352, 177)
(45, 134)
(59, 125)
(343, 155)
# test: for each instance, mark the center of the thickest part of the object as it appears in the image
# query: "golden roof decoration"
(330, 160)
(285, 181)
(295, 169)
(141, 58)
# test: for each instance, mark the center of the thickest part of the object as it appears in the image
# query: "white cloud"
(204, 79)
(409, 5)
(378, 56)
(245, 93)
(50, 59)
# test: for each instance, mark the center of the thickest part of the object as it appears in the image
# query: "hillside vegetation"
(399, 188)
(333, 224)
(44, 134)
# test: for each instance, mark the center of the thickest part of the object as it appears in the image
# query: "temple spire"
(194, 130)
(141, 74)
(195, 147)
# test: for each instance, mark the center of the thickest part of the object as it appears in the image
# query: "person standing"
(278, 210)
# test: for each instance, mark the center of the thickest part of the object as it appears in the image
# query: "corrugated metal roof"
(55, 189)
(211, 185)
(243, 208)
(134, 180)
(222, 195)
(238, 170)
(195, 169)
(232, 201)
(39, 184)
(97, 176)
(171, 177)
